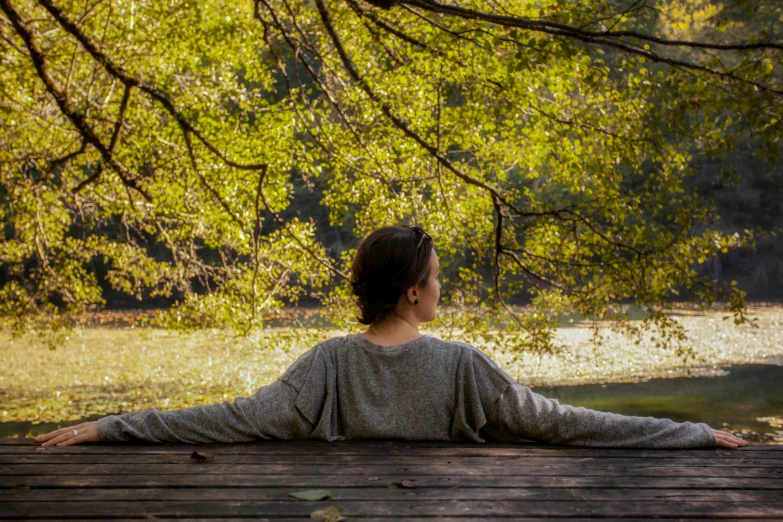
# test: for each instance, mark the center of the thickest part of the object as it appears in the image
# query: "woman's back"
(351, 388)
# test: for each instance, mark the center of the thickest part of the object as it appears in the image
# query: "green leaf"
(311, 494)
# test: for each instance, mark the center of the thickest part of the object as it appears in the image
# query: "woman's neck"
(393, 330)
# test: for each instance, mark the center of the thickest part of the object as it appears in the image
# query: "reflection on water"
(747, 399)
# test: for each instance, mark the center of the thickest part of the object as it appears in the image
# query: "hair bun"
(359, 287)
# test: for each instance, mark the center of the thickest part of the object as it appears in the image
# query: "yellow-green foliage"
(552, 149)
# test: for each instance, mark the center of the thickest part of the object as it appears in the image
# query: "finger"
(727, 434)
(59, 438)
(51, 434)
(731, 438)
(48, 435)
(82, 437)
(720, 440)
(730, 435)
(727, 442)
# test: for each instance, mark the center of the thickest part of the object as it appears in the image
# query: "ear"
(412, 294)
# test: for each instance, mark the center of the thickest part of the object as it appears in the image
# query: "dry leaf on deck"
(328, 514)
(403, 484)
(202, 456)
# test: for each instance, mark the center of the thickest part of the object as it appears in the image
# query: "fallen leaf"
(22, 486)
(311, 494)
(201, 456)
(403, 484)
(328, 514)
(374, 478)
(149, 517)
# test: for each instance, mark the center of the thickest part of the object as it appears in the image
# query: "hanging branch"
(209, 187)
(128, 81)
(614, 39)
(567, 30)
(134, 81)
(284, 227)
(76, 117)
(405, 128)
(496, 262)
(114, 139)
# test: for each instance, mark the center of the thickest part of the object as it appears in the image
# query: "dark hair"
(388, 261)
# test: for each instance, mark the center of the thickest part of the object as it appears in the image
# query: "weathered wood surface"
(493, 481)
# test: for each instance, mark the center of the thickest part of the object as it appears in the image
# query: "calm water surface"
(747, 399)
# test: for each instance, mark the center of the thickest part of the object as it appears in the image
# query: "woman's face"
(430, 294)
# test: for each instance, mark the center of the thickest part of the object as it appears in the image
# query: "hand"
(727, 440)
(85, 432)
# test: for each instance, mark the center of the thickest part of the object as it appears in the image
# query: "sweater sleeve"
(519, 412)
(267, 414)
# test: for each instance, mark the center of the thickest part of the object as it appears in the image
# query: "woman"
(391, 382)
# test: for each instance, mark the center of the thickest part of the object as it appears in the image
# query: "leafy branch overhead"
(549, 147)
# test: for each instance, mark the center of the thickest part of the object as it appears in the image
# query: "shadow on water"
(733, 402)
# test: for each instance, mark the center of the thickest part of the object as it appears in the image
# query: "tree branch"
(567, 30)
(401, 124)
(607, 39)
(209, 187)
(134, 81)
(283, 225)
(61, 98)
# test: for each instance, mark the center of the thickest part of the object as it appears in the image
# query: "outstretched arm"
(267, 414)
(522, 413)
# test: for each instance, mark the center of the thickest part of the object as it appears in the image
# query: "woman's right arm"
(521, 412)
(267, 414)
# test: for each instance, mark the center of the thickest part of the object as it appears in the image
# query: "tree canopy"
(548, 144)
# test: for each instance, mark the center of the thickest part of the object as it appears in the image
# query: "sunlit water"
(742, 399)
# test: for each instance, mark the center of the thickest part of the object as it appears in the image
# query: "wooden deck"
(487, 482)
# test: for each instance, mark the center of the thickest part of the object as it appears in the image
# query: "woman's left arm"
(267, 414)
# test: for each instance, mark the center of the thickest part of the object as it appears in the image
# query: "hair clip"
(420, 232)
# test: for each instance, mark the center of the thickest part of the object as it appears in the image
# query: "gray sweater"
(427, 389)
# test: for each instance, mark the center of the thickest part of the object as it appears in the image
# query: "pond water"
(743, 399)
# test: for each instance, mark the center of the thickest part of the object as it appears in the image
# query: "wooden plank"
(66, 454)
(396, 508)
(361, 444)
(712, 453)
(360, 480)
(427, 519)
(382, 491)
(369, 445)
(746, 460)
(369, 469)
(552, 452)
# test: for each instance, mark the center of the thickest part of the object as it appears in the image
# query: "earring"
(416, 301)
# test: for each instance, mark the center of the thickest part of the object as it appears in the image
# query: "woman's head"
(395, 270)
